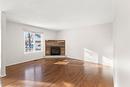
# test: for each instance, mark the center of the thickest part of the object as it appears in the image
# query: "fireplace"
(55, 50)
(55, 47)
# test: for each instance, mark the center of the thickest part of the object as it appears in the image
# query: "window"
(32, 42)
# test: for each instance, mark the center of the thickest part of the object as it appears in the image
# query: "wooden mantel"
(50, 43)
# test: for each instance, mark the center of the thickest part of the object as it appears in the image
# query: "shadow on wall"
(93, 57)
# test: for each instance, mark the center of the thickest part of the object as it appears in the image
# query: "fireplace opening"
(55, 50)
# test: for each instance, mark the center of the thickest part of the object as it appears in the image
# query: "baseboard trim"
(23, 62)
(89, 61)
(54, 56)
(1, 76)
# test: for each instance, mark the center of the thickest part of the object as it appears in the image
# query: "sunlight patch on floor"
(63, 62)
(66, 84)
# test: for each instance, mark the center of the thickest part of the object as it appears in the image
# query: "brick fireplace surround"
(55, 46)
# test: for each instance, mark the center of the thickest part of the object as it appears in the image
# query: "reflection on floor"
(60, 72)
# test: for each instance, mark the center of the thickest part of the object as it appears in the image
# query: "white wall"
(96, 38)
(122, 43)
(15, 42)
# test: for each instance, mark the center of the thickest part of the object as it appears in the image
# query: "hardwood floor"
(62, 72)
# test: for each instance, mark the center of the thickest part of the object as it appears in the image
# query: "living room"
(64, 43)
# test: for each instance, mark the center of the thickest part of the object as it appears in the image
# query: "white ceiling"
(58, 14)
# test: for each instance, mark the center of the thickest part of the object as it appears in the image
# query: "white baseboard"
(89, 61)
(2, 75)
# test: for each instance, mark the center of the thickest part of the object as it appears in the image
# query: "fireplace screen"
(55, 51)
